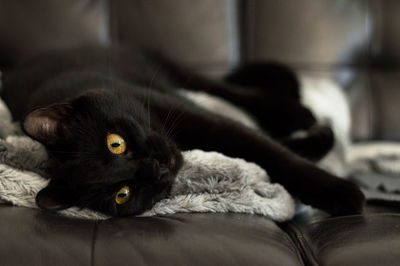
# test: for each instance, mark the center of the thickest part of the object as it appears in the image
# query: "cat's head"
(105, 154)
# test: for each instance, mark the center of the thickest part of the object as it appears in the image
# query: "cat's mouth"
(157, 169)
(165, 155)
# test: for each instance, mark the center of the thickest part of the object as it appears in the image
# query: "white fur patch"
(219, 106)
(328, 104)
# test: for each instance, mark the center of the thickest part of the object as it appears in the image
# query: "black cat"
(114, 123)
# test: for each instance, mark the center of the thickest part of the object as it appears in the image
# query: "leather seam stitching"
(93, 242)
(304, 251)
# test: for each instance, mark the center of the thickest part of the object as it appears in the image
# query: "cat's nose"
(164, 169)
(160, 169)
(172, 162)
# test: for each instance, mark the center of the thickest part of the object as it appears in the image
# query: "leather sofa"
(356, 41)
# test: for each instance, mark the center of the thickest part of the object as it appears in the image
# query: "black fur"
(276, 80)
(84, 95)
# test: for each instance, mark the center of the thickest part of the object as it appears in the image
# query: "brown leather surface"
(374, 97)
(363, 107)
(29, 27)
(194, 239)
(200, 33)
(196, 33)
(307, 33)
(386, 88)
(357, 240)
(34, 237)
(386, 38)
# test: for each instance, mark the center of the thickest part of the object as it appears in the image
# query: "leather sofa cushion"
(35, 237)
(356, 240)
(30, 237)
(200, 34)
(313, 34)
(385, 41)
(374, 97)
(30, 27)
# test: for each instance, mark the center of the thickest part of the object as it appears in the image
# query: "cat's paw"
(321, 138)
(343, 198)
(312, 144)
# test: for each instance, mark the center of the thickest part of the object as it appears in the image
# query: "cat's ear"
(53, 199)
(46, 124)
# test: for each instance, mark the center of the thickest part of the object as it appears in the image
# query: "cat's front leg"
(299, 176)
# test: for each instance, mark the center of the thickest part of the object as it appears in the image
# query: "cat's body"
(123, 92)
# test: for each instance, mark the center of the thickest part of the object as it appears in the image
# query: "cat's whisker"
(175, 123)
(148, 108)
(72, 153)
(149, 92)
(138, 111)
(166, 120)
(171, 115)
(173, 132)
(84, 131)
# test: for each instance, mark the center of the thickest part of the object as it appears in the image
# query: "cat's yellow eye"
(116, 144)
(123, 195)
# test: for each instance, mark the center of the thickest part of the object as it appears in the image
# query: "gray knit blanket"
(207, 182)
